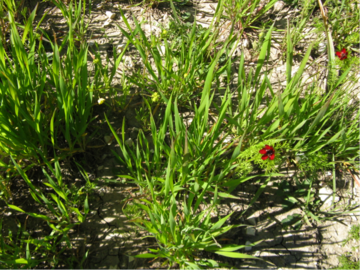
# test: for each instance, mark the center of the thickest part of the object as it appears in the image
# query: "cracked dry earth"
(112, 240)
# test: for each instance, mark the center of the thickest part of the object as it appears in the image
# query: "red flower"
(342, 55)
(267, 152)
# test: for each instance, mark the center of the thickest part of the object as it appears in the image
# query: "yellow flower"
(155, 97)
(164, 32)
(101, 101)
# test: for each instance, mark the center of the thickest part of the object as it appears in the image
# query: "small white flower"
(101, 101)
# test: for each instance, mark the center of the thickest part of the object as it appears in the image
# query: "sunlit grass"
(240, 124)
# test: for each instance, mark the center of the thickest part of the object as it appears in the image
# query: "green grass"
(47, 115)
(346, 263)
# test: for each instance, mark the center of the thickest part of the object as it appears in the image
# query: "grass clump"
(346, 263)
(240, 129)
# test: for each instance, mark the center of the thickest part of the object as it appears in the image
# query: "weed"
(240, 126)
(346, 263)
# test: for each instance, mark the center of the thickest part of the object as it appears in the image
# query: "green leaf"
(16, 208)
(172, 221)
(236, 255)
(320, 114)
(221, 222)
(147, 256)
(263, 53)
(86, 205)
(34, 192)
(30, 214)
(289, 54)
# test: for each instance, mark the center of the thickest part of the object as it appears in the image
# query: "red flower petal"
(264, 157)
(272, 156)
(262, 151)
(268, 147)
(342, 54)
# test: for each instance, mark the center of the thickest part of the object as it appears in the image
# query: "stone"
(248, 248)
(245, 43)
(326, 196)
(107, 139)
(322, 48)
(252, 221)
(120, 47)
(110, 15)
(129, 142)
(107, 23)
(278, 7)
(250, 231)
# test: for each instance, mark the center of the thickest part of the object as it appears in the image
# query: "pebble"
(279, 6)
(129, 142)
(252, 221)
(248, 248)
(107, 23)
(120, 47)
(322, 47)
(110, 15)
(107, 139)
(250, 231)
(245, 43)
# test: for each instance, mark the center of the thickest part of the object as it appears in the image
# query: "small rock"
(245, 43)
(107, 23)
(326, 196)
(227, 139)
(279, 6)
(322, 47)
(110, 15)
(107, 139)
(120, 47)
(248, 248)
(109, 219)
(250, 231)
(129, 142)
(128, 62)
(252, 221)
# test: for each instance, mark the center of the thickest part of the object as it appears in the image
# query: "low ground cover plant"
(182, 168)
(46, 102)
